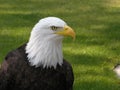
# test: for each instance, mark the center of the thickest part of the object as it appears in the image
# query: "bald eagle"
(39, 63)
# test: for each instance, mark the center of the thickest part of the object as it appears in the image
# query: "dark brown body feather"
(17, 74)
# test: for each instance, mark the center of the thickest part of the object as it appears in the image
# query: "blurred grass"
(96, 48)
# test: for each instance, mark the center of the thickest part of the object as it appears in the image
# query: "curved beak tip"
(70, 32)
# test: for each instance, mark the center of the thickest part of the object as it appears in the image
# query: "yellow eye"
(54, 28)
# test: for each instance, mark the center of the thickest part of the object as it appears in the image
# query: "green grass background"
(97, 25)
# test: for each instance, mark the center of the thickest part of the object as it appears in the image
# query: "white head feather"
(45, 47)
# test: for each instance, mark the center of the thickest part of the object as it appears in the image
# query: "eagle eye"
(54, 28)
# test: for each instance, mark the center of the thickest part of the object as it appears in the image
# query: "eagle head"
(45, 44)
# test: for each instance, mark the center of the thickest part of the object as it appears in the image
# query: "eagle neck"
(45, 52)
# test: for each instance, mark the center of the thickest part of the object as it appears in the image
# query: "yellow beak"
(67, 31)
